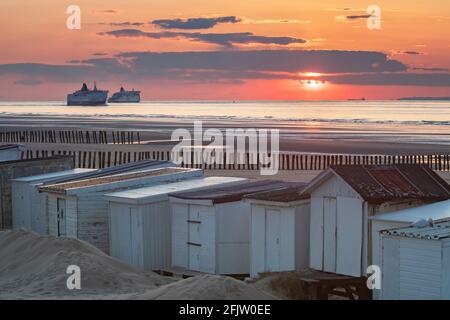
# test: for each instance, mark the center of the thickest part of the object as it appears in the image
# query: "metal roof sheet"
(285, 194)
(122, 168)
(436, 211)
(24, 161)
(61, 187)
(148, 194)
(439, 230)
(53, 175)
(12, 146)
(381, 183)
(233, 193)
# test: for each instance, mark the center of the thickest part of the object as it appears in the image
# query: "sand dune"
(207, 287)
(34, 267)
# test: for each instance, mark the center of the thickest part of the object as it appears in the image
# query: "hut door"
(349, 236)
(136, 236)
(61, 216)
(273, 239)
(329, 234)
(194, 238)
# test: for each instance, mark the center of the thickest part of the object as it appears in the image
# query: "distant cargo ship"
(358, 99)
(86, 97)
(125, 96)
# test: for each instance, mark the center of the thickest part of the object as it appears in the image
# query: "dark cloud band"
(194, 23)
(223, 39)
(339, 67)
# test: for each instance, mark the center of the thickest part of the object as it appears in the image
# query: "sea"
(401, 121)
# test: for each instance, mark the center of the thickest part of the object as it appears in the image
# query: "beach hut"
(403, 218)
(211, 228)
(25, 195)
(77, 209)
(344, 197)
(28, 205)
(416, 262)
(140, 221)
(279, 230)
(9, 152)
(23, 168)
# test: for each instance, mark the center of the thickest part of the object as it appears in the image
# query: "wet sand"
(293, 137)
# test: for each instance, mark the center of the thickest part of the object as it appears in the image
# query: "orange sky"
(414, 33)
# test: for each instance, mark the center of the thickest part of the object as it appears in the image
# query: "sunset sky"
(226, 50)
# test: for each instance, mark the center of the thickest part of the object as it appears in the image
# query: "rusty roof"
(61, 187)
(285, 194)
(233, 193)
(380, 183)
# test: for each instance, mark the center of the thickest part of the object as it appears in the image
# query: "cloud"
(108, 11)
(352, 18)
(359, 16)
(126, 24)
(99, 54)
(294, 61)
(412, 52)
(194, 23)
(223, 39)
(218, 66)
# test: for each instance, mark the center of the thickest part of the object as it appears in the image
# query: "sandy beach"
(156, 134)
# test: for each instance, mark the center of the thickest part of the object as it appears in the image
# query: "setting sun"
(312, 84)
(311, 74)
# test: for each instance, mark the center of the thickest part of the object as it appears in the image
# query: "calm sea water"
(409, 112)
(418, 121)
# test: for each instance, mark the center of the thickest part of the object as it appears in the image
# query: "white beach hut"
(344, 197)
(77, 209)
(140, 221)
(404, 218)
(416, 263)
(211, 228)
(279, 238)
(9, 152)
(28, 205)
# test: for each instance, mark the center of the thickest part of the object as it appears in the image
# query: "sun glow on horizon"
(313, 84)
(311, 74)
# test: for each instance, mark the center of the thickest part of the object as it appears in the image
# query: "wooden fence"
(286, 161)
(71, 137)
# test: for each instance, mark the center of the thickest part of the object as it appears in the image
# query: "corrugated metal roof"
(439, 230)
(233, 193)
(436, 211)
(61, 187)
(286, 194)
(53, 175)
(381, 183)
(122, 168)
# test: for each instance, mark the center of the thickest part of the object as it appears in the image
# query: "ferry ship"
(124, 96)
(86, 97)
